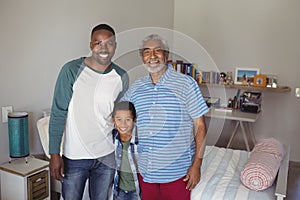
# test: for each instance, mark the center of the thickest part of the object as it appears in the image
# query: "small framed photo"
(245, 76)
(272, 81)
(260, 80)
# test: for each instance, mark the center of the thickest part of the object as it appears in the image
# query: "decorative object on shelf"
(18, 135)
(245, 76)
(222, 78)
(272, 81)
(229, 80)
(260, 80)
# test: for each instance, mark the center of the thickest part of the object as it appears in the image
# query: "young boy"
(126, 184)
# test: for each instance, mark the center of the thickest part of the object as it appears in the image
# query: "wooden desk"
(243, 120)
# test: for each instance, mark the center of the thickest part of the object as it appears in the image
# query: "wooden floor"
(55, 196)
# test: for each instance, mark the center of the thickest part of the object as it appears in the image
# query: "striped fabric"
(220, 177)
(165, 111)
(263, 164)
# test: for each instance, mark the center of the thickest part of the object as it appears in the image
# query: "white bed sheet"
(220, 177)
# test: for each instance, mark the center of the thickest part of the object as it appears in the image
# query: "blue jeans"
(99, 172)
(131, 195)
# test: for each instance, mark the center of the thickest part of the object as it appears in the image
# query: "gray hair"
(157, 38)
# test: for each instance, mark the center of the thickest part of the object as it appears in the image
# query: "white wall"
(263, 34)
(38, 37)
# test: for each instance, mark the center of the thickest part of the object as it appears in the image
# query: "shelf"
(243, 87)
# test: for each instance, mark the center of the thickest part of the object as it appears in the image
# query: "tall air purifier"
(18, 135)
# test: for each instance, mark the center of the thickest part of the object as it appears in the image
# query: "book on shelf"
(193, 70)
(189, 69)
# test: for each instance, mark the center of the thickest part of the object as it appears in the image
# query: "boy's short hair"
(124, 105)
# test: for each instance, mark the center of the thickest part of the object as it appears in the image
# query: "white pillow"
(43, 128)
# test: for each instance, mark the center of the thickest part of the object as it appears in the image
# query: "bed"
(220, 177)
(220, 173)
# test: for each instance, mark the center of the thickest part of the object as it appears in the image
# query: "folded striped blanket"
(263, 164)
(220, 177)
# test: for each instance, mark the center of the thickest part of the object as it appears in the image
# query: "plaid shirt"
(132, 157)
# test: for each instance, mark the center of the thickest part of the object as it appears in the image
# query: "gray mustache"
(153, 59)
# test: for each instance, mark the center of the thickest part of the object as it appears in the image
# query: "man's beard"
(104, 61)
(156, 69)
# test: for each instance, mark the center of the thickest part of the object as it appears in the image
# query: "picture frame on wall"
(260, 80)
(272, 81)
(245, 76)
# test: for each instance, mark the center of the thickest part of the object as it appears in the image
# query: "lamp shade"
(18, 134)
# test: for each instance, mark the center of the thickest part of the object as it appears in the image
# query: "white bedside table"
(25, 181)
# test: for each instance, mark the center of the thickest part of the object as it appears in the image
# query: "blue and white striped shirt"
(164, 119)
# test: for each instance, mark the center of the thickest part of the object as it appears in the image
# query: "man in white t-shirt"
(85, 92)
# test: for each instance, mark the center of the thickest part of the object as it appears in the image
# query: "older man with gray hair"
(171, 125)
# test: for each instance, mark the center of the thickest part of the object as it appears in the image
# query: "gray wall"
(262, 34)
(38, 37)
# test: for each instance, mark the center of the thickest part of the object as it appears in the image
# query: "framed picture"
(272, 81)
(260, 81)
(245, 76)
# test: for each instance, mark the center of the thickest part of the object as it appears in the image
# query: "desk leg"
(251, 133)
(233, 134)
(245, 136)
